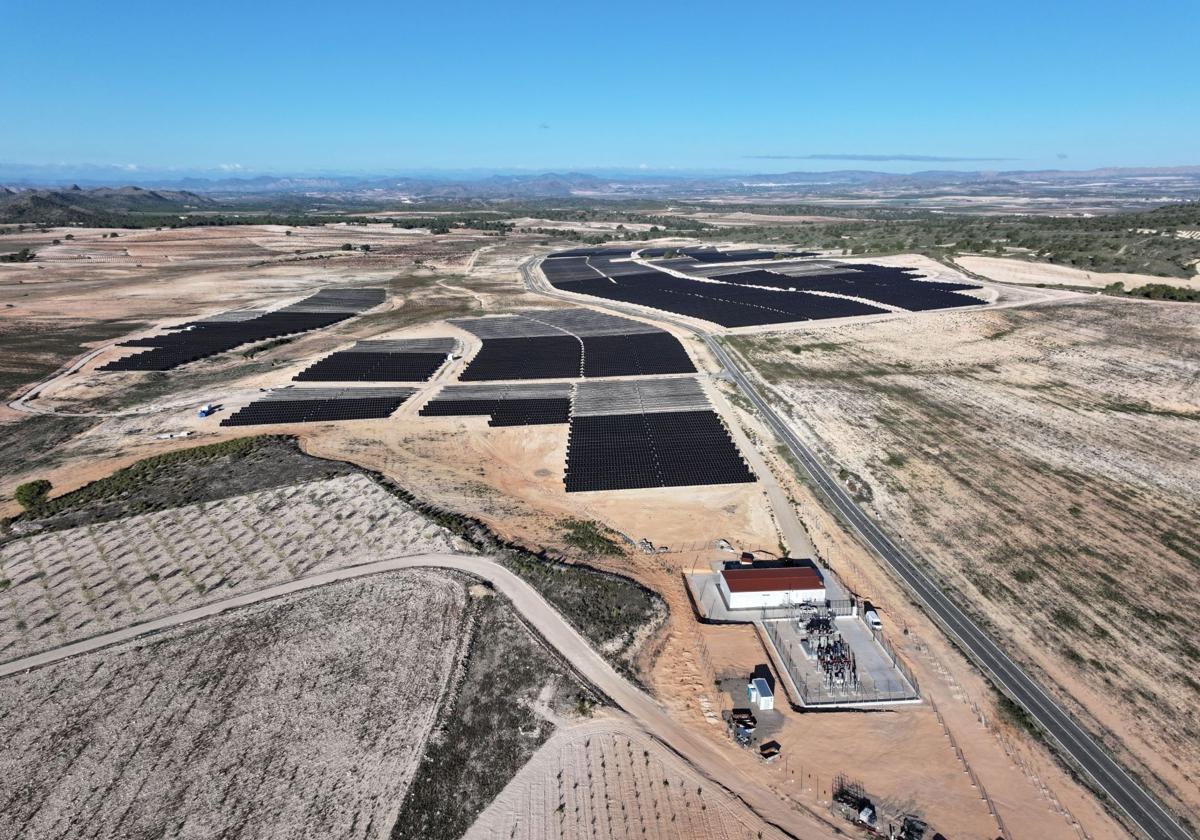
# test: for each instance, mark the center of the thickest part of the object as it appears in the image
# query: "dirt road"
(703, 755)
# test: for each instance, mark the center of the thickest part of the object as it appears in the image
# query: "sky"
(298, 87)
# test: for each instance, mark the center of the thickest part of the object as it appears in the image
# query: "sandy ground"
(216, 728)
(1042, 460)
(607, 779)
(512, 480)
(69, 584)
(1004, 270)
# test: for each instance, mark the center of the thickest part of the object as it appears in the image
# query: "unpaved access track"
(701, 753)
(1141, 807)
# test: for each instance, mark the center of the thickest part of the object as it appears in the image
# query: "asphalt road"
(1126, 793)
(704, 754)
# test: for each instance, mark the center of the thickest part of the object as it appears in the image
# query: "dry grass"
(1043, 461)
(608, 780)
(63, 586)
(303, 717)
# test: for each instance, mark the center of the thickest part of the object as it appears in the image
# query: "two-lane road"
(1107, 775)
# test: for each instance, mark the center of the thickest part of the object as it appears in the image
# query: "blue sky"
(401, 86)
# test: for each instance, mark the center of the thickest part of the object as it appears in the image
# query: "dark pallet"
(667, 449)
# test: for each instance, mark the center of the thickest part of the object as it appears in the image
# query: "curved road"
(702, 753)
(1133, 799)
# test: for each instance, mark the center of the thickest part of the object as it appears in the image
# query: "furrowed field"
(302, 717)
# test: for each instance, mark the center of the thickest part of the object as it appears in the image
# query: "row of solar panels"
(662, 449)
(266, 412)
(200, 339)
(737, 298)
(356, 366)
(568, 357)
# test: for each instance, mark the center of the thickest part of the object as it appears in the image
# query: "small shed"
(760, 693)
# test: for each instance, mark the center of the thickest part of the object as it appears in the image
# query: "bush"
(32, 493)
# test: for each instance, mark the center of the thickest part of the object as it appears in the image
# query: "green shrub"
(32, 493)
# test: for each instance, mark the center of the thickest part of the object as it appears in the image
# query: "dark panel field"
(662, 449)
(200, 339)
(539, 357)
(634, 355)
(504, 412)
(354, 366)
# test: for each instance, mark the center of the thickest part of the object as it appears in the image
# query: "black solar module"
(503, 412)
(200, 339)
(734, 300)
(315, 410)
(358, 366)
(634, 355)
(656, 449)
(539, 357)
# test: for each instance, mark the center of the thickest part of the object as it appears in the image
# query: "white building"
(749, 589)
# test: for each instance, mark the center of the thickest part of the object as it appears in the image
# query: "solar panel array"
(735, 299)
(200, 339)
(663, 449)
(568, 344)
(411, 360)
(539, 357)
(316, 405)
(507, 405)
(642, 354)
(648, 433)
(884, 284)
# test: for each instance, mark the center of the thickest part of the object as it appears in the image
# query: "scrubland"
(1042, 462)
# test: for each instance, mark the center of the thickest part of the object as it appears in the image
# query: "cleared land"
(1024, 272)
(1042, 460)
(304, 717)
(607, 779)
(69, 584)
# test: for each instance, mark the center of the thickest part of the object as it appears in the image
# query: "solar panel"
(660, 449)
(200, 339)
(355, 366)
(539, 357)
(317, 405)
(735, 299)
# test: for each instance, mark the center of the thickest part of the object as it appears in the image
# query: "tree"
(347, 247)
(32, 493)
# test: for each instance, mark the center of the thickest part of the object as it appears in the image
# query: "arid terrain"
(111, 555)
(1008, 270)
(215, 728)
(1042, 461)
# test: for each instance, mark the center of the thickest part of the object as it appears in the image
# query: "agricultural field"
(608, 779)
(301, 717)
(1042, 461)
(511, 694)
(68, 584)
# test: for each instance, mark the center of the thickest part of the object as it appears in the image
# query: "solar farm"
(401, 360)
(197, 340)
(743, 288)
(536, 404)
(320, 405)
(648, 433)
(568, 344)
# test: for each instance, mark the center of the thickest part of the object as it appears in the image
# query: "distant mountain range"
(79, 206)
(42, 199)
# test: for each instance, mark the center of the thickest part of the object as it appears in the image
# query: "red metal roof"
(772, 580)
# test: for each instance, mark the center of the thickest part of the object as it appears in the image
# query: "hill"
(93, 207)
